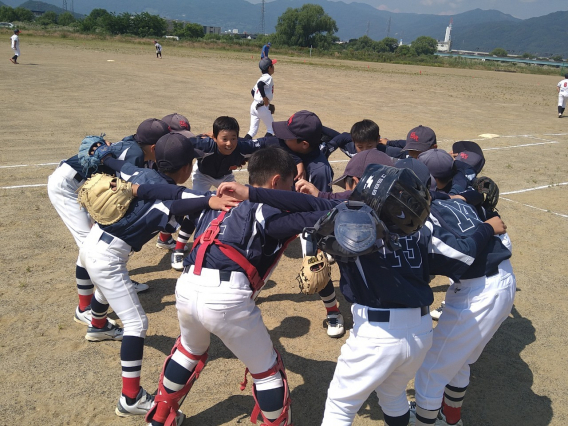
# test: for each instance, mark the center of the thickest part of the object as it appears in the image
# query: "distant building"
(235, 31)
(38, 13)
(211, 30)
(446, 45)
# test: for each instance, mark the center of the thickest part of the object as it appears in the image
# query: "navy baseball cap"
(420, 138)
(265, 63)
(357, 165)
(150, 130)
(173, 151)
(417, 167)
(470, 153)
(178, 124)
(439, 163)
(303, 125)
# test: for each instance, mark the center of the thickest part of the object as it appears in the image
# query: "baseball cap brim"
(471, 146)
(185, 133)
(282, 131)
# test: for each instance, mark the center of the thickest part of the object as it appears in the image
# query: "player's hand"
(224, 203)
(233, 189)
(383, 141)
(306, 187)
(301, 171)
(453, 154)
(266, 101)
(498, 225)
(134, 188)
(458, 197)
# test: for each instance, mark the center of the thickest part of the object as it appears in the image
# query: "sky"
(518, 8)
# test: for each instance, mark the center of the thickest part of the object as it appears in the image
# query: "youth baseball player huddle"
(409, 211)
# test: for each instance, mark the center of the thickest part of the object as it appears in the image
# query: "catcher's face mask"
(356, 230)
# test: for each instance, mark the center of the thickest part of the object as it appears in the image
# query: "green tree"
(424, 45)
(23, 14)
(188, 30)
(306, 26)
(146, 25)
(557, 58)
(7, 14)
(405, 50)
(528, 55)
(499, 51)
(65, 19)
(48, 18)
(390, 43)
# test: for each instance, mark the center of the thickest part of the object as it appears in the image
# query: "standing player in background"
(562, 88)
(265, 50)
(15, 46)
(262, 93)
(158, 49)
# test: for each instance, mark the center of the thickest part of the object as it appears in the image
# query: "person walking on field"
(562, 88)
(15, 46)
(158, 49)
(264, 51)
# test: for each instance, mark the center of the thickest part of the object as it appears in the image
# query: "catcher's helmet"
(398, 197)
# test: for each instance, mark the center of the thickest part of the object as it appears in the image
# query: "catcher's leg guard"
(173, 400)
(285, 417)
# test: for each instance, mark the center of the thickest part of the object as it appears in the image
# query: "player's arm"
(339, 142)
(260, 85)
(203, 143)
(249, 146)
(320, 173)
(290, 201)
(286, 225)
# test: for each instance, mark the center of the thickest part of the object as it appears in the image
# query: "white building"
(446, 45)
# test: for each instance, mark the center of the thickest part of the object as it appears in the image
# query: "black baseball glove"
(490, 191)
(272, 108)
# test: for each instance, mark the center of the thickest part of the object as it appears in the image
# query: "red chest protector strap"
(208, 238)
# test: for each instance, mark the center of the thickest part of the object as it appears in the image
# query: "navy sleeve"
(189, 206)
(319, 172)
(286, 225)
(260, 85)
(204, 144)
(289, 201)
(249, 146)
(114, 164)
(160, 192)
(339, 142)
(335, 195)
(399, 143)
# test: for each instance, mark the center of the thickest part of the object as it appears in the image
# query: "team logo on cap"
(464, 155)
(290, 119)
(414, 136)
(184, 124)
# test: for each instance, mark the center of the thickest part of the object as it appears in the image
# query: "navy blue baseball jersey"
(144, 219)
(344, 142)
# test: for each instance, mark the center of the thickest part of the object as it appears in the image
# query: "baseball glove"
(490, 191)
(272, 108)
(105, 203)
(87, 160)
(314, 274)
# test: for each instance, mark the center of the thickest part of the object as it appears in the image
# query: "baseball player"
(233, 255)
(106, 250)
(15, 46)
(262, 93)
(158, 49)
(562, 88)
(62, 188)
(265, 50)
(418, 140)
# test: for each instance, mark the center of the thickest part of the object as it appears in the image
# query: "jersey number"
(464, 213)
(410, 252)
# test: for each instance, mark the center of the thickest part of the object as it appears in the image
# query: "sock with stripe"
(425, 417)
(270, 395)
(397, 421)
(99, 312)
(85, 287)
(178, 371)
(164, 237)
(131, 352)
(328, 298)
(451, 406)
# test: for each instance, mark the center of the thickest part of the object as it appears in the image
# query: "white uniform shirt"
(268, 88)
(15, 42)
(563, 87)
(158, 47)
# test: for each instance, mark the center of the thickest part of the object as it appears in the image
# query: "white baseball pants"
(203, 182)
(562, 100)
(106, 264)
(263, 113)
(16, 51)
(473, 312)
(381, 357)
(206, 305)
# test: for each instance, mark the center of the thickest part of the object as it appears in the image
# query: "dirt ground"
(65, 89)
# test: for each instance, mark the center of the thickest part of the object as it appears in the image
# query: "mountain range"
(477, 29)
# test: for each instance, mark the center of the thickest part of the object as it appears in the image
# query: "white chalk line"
(23, 186)
(29, 165)
(534, 189)
(533, 207)
(518, 146)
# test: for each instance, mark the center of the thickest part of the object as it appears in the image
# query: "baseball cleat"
(140, 287)
(11, 60)
(436, 313)
(412, 409)
(177, 260)
(560, 115)
(85, 317)
(335, 327)
(441, 421)
(108, 332)
(166, 245)
(140, 407)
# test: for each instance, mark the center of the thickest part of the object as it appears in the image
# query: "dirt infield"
(66, 89)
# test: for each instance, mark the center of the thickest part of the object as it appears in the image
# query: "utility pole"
(389, 26)
(72, 7)
(64, 4)
(368, 25)
(262, 18)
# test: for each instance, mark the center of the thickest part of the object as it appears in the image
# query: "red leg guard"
(175, 399)
(286, 415)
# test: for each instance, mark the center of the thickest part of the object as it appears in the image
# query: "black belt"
(107, 238)
(223, 275)
(384, 316)
(78, 177)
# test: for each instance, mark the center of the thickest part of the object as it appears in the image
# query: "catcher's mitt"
(490, 191)
(272, 108)
(87, 160)
(314, 274)
(106, 204)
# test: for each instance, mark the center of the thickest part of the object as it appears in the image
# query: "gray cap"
(178, 124)
(265, 63)
(420, 138)
(173, 151)
(439, 163)
(357, 165)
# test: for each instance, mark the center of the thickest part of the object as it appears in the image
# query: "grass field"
(65, 89)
